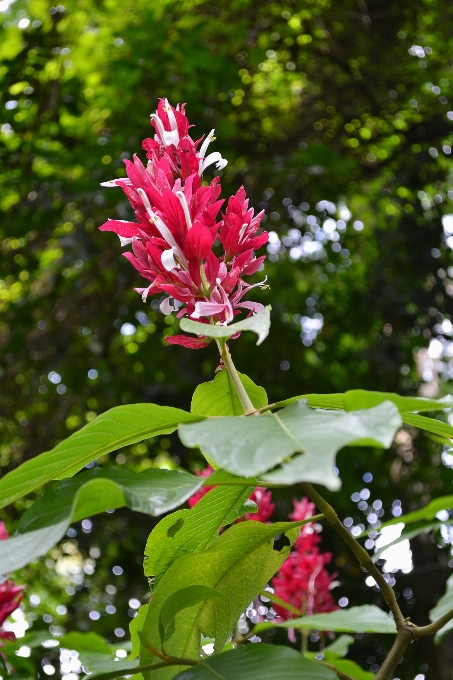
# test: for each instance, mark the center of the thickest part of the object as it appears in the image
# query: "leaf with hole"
(188, 531)
(237, 565)
(253, 445)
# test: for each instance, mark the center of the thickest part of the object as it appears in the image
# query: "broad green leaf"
(364, 619)
(253, 445)
(429, 425)
(258, 662)
(327, 401)
(444, 605)
(118, 427)
(339, 647)
(187, 531)
(18, 551)
(238, 565)
(350, 668)
(152, 492)
(219, 397)
(426, 513)
(135, 628)
(258, 323)
(358, 399)
(177, 602)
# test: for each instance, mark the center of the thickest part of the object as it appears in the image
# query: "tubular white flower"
(166, 307)
(163, 229)
(214, 157)
(116, 182)
(185, 207)
(210, 138)
(160, 126)
(168, 260)
(124, 240)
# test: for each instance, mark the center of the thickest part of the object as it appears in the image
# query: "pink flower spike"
(173, 238)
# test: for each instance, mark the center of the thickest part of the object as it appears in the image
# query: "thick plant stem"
(361, 554)
(406, 635)
(240, 389)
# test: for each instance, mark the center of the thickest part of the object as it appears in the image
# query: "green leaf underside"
(238, 565)
(258, 662)
(118, 427)
(188, 531)
(135, 628)
(180, 600)
(258, 323)
(152, 492)
(219, 397)
(364, 619)
(363, 399)
(350, 668)
(429, 425)
(339, 647)
(443, 606)
(254, 445)
(411, 532)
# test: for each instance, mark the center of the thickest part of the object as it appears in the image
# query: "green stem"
(240, 389)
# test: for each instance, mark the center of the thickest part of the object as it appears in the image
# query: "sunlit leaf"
(253, 445)
(188, 531)
(152, 492)
(121, 426)
(219, 397)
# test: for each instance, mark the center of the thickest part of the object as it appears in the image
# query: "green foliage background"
(317, 105)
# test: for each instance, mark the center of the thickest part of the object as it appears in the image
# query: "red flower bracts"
(302, 580)
(10, 597)
(178, 228)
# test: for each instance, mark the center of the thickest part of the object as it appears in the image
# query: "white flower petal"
(214, 157)
(124, 240)
(166, 307)
(168, 260)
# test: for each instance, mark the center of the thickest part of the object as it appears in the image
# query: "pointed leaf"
(253, 445)
(364, 619)
(152, 492)
(258, 323)
(121, 426)
(238, 565)
(426, 513)
(429, 425)
(219, 397)
(358, 399)
(258, 662)
(188, 531)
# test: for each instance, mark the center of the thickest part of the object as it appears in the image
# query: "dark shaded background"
(325, 111)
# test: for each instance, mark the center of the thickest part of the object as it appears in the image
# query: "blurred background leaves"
(338, 119)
